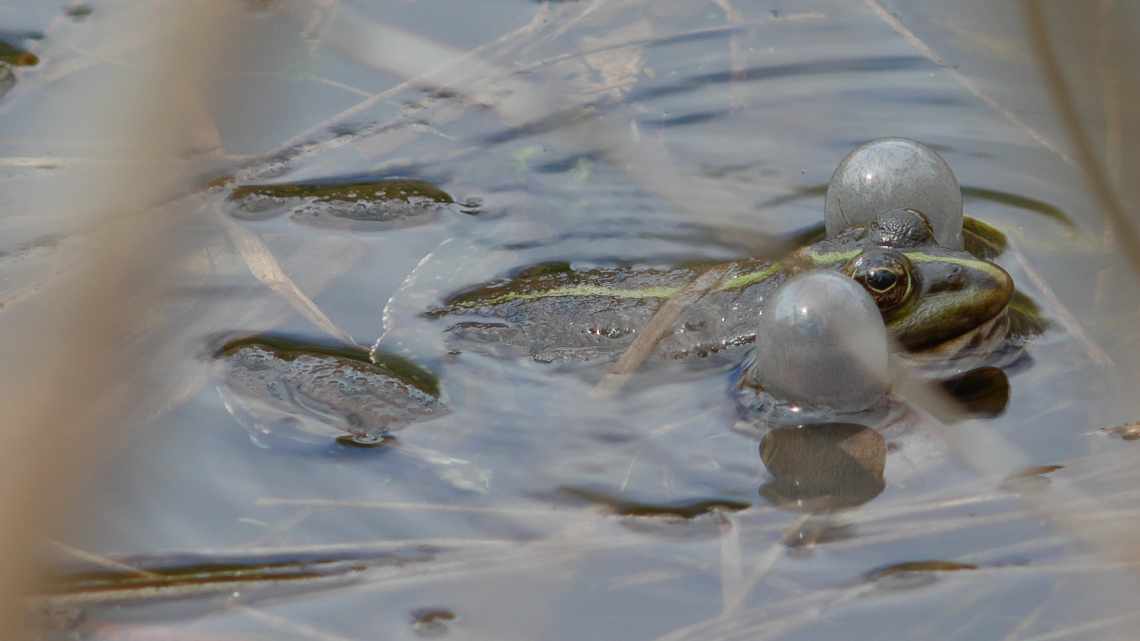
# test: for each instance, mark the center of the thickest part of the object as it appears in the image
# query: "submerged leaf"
(78, 11)
(1018, 201)
(355, 204)
(1128, 432)
(982, 239)
(17, 56)
(280, 387)
(188, 576)
(916, 569)
(680, 509)
(389, 189)
(287, 348)
(431, 622)
(1025, 318)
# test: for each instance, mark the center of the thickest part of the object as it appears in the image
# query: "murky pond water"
(535, 507)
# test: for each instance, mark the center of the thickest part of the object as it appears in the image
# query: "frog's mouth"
(978, 343)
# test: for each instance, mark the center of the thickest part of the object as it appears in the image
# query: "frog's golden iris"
(885, 274)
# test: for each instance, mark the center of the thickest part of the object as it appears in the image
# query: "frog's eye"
(885, 274)
(881, 280)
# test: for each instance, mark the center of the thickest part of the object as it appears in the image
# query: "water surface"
(535, 508)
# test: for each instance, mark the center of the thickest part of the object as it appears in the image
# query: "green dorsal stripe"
(818, 259)
(573, 290)
(737, 282)
(981, 265)
(744, 280)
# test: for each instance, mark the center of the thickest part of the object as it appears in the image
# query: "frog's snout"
(955, 304)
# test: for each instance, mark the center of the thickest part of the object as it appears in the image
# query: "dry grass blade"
(989, 452)
(770, 621)
(550, 108)
(266, 269)
(1059, 309)
(731, 563)
(1082, 630)
(1112, 86)
(762, 567)
(271, 620)
(101, 561)
(322, 265)
(736, 48)
(529, 512)
(1089, 162)
(736, 26)
(299, 145)
(1031, 618)
(969, 85)
(333, 548)
(76, 373)
(656, 329)
(285, 625)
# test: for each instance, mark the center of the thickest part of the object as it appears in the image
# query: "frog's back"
(555, 313)
(724, 320)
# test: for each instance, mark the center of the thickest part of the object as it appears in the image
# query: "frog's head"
(936, 302)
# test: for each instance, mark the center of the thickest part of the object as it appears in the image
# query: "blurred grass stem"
(77, 370)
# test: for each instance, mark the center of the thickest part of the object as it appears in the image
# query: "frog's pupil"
(881, 280)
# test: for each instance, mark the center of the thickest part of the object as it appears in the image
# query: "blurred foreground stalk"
(77, 370)
(1089, 68)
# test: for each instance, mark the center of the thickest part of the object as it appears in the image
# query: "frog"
(940, 305)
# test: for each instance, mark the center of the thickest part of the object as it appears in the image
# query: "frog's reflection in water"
(979, 393)
(820, 468)
(823, 467)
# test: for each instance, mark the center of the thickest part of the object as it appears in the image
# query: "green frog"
(940, 305)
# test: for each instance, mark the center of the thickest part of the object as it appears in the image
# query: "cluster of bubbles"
(821, 349)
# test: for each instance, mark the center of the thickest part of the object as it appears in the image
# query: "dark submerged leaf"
(288, 348)
(17, 56)
(404, 190)
(1128, 432)
(1025, 318)
(683, 509)
(913, 574)
(982, 239)
(1020, 202)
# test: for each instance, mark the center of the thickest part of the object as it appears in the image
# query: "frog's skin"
(942, 304)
